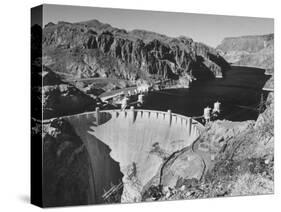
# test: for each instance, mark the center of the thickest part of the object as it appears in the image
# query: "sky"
(209, 29)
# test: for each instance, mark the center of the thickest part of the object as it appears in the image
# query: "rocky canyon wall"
(93, 49)
(256, 50)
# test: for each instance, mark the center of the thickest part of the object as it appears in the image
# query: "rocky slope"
(55, 94)
(67, 177)
(239, 159)
(93, 49)
(49, 92)
(256, 50)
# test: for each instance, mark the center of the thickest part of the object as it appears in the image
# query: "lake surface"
(239, 91)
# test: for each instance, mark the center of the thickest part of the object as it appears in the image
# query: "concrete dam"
(128, 147)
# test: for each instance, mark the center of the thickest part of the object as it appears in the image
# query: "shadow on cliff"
(219, 60)
(77, 166)
(107, 175)
(106, 171)
(200, 71)
(105, 117)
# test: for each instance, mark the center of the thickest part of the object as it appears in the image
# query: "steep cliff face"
(67, 177)
(49, 92)
(93, 49)
(77, 167)
(249, 50)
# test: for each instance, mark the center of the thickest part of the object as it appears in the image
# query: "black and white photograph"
(136, 106)
(133, 106)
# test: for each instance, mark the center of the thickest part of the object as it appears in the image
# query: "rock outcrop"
(57, 94)
(253, 50)
(93, 49)
(54, 95)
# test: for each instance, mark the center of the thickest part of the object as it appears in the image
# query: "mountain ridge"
(132, 54)
(250, 50)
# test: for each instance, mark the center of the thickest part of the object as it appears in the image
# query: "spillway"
(130, 146)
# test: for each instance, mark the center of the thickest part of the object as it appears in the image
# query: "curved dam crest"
(119, 140)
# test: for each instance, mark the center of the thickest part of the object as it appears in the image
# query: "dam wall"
(118, 140)
(144, 138)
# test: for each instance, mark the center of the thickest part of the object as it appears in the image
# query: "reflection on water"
(239, 91)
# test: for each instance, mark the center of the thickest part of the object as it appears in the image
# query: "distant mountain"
(254, 50)
(94, 49)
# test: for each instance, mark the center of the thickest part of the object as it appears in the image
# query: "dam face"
(130, 146)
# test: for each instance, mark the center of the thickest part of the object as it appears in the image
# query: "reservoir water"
(240, 92)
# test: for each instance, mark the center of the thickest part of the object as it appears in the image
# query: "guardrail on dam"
(132, 115)
(133, 139)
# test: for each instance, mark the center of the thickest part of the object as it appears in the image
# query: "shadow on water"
(241, 86)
